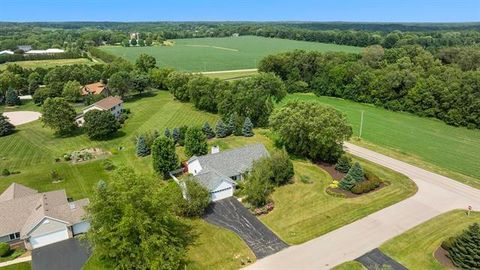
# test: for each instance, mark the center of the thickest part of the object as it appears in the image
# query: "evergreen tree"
(208, 130)
(231, 125)
(347, 182)
(247, 130)
(357, 172)
(142, 149)
(176, 135)
(167, 133)
(344, 163)
(465, 252)
(11, 97)
(195, 142)
(6, 127)
(221, 129)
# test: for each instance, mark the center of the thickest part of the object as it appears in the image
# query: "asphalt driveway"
(70, 254)
(231, 214)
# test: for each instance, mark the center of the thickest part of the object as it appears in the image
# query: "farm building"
(112, 104)
(219, 171)
(31, 219)
(97, 88)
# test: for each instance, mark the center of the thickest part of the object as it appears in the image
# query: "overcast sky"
(241, 10)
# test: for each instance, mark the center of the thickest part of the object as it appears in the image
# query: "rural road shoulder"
(436, 194)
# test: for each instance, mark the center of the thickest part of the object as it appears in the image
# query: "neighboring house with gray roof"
(31, 219)
(218, 172)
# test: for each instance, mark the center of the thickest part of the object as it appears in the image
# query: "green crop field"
(428, 143)
(212, 54)
(48, 63)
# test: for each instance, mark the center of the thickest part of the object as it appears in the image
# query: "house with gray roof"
(32, 219)
(219, 171)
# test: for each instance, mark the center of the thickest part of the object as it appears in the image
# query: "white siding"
(194, 167)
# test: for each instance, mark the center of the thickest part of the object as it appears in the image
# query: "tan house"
(32, 219)
(112, 104)
(97, 88)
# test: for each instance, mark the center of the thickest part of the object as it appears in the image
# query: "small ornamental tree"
(221, 129)
(176, 135)
(197, 200)
(100, 125)
(164, 157)
(247, 129)
(167, 133)
(11, 98)
(141, 147)
(344, 163)
(465, 251)
(195, 142)
(357, 172)
(58, 115)
(6, 128)
(347, 182)
(208, 131)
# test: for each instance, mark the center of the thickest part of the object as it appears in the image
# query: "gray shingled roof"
(232, 162)
(22, 213)
(211, 179)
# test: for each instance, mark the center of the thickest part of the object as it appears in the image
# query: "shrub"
(4, 249)
(6, 172)
(448, 243)
(344, 163)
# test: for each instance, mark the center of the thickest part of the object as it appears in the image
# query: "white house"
(6, 52)
(31, 219)
(112, 104)
(219, 171)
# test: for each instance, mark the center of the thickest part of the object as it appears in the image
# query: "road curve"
(436, 194)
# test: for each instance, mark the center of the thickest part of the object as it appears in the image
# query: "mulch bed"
(330, 168)
(441, 255)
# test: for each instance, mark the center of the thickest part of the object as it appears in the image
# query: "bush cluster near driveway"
(414, 248)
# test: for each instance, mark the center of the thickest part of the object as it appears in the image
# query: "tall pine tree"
(221, 129)
(465, 251)
(247, 130)
(142, 149)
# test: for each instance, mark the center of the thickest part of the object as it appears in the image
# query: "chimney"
(215, 149)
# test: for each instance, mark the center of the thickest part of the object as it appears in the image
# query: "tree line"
(445, 85)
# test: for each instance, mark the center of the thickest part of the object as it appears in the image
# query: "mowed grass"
(33, 148)
(229, 53)
(428, 143)
(414, 248)
(304, 211)
(48, 63)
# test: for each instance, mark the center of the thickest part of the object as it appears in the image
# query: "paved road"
(436, 194)
(231, 214)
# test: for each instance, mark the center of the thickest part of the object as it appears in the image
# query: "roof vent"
(215, 149)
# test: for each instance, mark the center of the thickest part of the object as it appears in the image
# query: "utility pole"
(361, 126)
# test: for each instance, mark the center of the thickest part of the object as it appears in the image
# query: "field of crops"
(212, 54)
(426, 142)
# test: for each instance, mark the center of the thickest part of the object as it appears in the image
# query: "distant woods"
(444, 85)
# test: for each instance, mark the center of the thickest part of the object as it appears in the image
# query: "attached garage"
(43, 240)
(81, 227)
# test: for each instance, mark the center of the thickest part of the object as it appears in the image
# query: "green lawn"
(305, 211)
(211, 54)
(48, 63)
(425, 142)
(33, 148)
(414, 249)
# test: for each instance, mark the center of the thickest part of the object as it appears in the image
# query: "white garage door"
(46, 239)
(221, 194)
(81, 227)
